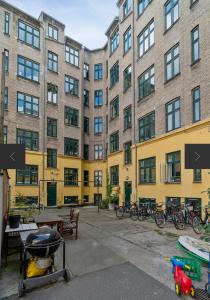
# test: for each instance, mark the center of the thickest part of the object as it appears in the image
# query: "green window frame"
(98, 98)
(173, 167)
(27, 176)
(98, 125)
(173, 115)
(6, 23)
(127, 39)
(126, 7)
(27, 104)
(146, 83)
(71, 85)
(71, 116)
(127, 153)
(28, 69)
(127, 112)
(98, 71)
(172, 63)
(52, 93)
(171, 13)
(98, 178)
(146, 38)
(28, 34)
(147, 127)
(196, 101)
(86, 178)
(147, 170)
(197, 175)
(114, 41)
(6, 98)
(86, 70)
(71, 147)
(98, 152)
(86, 125)
(114, 175)
(195, 45)
(52, 127)
(114, 74)
(52, 32)
(5, 134)
(114, 142)
(86, 97)
(51, 158)
(52, 62)
(86, 151)
(127, 78)
(6, 61)
(142, 5)
(28, 138)
(114, 108)
(70, 177)
(72, 56)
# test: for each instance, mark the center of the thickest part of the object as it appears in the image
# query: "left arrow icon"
(12, 156)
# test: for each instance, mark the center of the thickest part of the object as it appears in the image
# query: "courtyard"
(112, 259)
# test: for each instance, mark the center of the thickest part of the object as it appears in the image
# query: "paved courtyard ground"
(112, 259)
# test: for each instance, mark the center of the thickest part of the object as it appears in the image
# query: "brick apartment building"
(126, 109)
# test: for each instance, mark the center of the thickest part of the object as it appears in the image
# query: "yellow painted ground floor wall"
(157, 147)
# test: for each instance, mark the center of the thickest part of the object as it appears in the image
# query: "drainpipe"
(2, 99)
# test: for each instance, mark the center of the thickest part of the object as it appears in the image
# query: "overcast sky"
(85, 20)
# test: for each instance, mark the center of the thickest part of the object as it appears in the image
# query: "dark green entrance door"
(128, 191)
(51, 193)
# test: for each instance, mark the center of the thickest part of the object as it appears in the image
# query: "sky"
(86, 20)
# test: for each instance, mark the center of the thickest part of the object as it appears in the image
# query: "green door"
(128, 191)
(51, 193)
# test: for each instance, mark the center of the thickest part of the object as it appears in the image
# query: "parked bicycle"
(146, 211)
(126, 211)
(202, 225)
(190, 212)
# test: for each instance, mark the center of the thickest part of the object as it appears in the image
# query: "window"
(71, 147)
(195, 44)
(147, 83)
(127, 117)
(86, 125)
(114, 74)
(51, 127)
(52, 32)
(98, 72)
(6, 23)
(52, 62)
(196, 99)
(51, 158)
(98, 98)
(127, 153)
(5, 134)
(142, 5)
(28, 34)
(86, 98)
(114, 142)
(114, 175)
(28, 138)
(72, 56)
(127, 78)
(173, 167)
(172, 62)
(6, 60)
(127, 40)
(52, 93)
(126, 7)
(86, 178)
(173, 201)
(147, 170)
(197, 175)
(146, 38)
(27, 176)
(28, 201)
(71, 200)
(70, 176)
(28, 69)
(86, 152)
(27, 104)
(86, 71)
(147, 202)
(71, 116)
(147, 127)
(173, 115)
(114, 108)
(114, 41)
(6, 97)
(98, 125)
(171, 13)
(98, 152)
(85, 199)
(192, 2)
(98, 178)
(71, 85)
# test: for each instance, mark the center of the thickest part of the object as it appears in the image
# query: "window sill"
(145, 53)
(147, 183)
(52, 138)
(51, 103)
(146, 98)
(168, 29)
(22, 184)
(114, 118)
(195, 63)
(74, 126)
(125, 129)
(98, 106)
(125, 17)
(53, 72)
(29, 45)
(112, 87)
(76, 67)
(98, 134)
(124, 91)
(174, 77)
(110, 55)
(125, 53)
(98, 79)
(27, 115)
(53, 168)
(168, 131)
(70, 94)
(197, 181)
(26, 79)
(172, 182)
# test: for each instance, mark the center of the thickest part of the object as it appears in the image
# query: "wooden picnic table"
(50, 221)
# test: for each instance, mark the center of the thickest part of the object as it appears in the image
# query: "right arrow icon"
(197, 156)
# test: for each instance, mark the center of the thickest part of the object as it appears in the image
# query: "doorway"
(128, 192)
(51, 194)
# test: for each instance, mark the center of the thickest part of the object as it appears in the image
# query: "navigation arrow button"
(197, 156)
(12, 156)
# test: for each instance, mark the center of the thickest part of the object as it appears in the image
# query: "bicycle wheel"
(120, 212)
(178, 220)
(134, 214)
(197, 225)
(141, 215)
(160, 219)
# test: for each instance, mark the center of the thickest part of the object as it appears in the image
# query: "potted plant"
(14, 219)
